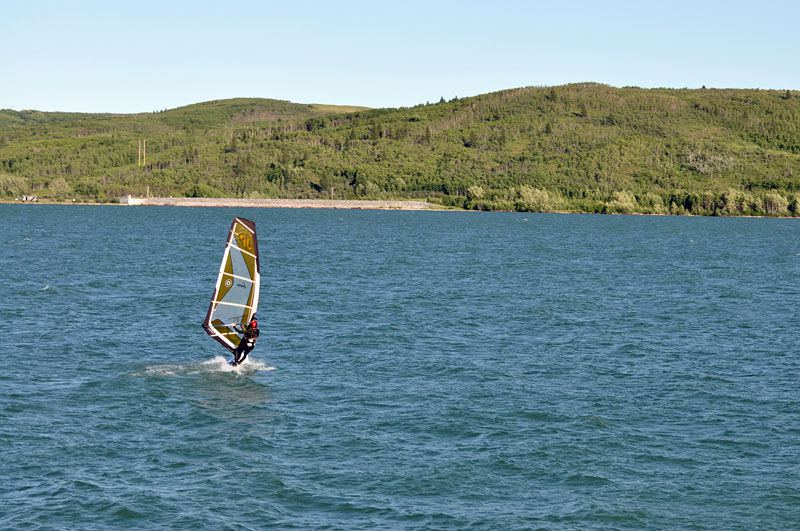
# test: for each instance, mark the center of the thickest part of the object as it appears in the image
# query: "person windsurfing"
(248, 342)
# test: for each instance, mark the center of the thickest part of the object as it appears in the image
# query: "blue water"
(427, 370)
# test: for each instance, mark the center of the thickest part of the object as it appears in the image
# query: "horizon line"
(365, 107)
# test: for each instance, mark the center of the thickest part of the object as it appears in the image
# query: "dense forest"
(583, 147)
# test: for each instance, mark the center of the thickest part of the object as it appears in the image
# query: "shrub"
(775, 204)
(651, 203)
(475, 193)
(503, 205)
(203, 190)
(534, 200)
(13, 185)
(676, 209)
(450, 201)
(794, 205)
(88, 190)
(367, 189)
(58, 189)
(622, 202)
(731, 203)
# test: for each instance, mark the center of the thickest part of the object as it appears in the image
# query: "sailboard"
(235, 297)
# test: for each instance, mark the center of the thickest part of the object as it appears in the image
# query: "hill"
(583, 147)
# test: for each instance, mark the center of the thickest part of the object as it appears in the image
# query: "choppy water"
(416, 370)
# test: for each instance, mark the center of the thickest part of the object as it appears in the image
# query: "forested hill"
(584, 147)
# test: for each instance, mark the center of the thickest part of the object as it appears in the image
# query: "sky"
(140, 56)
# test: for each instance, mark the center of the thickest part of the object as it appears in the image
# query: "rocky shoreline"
(278, 203)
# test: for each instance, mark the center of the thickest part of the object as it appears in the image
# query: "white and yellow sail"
(235, 298)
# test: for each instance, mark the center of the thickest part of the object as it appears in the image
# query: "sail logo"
(245, 241)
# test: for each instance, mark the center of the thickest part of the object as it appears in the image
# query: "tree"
(12, 185)
(202, 190)
(775, 204)
(475, 193)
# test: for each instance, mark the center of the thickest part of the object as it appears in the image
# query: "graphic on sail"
(235, 297)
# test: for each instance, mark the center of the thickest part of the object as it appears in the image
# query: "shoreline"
(232, 202)
(342, 204)
(336, 204)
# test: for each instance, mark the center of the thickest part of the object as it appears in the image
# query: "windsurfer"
(248, 342)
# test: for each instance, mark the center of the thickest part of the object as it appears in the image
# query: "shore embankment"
(279, 203)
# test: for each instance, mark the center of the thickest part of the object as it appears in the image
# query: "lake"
(436, 370)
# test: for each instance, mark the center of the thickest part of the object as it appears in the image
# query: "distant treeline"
(582, 147)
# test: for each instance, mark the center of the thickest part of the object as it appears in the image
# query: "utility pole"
(144, 163)
(142, 158)
(141, 161)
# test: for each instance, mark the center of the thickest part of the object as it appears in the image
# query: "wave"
(250, 365)
(214, 365)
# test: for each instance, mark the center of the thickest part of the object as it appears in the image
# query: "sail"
(235, 297)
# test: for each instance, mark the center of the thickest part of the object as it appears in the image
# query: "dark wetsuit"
(246, 345)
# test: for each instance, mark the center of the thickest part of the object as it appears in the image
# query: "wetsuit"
(246, 345)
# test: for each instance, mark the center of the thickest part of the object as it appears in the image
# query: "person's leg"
(245, 350)
(237, 355)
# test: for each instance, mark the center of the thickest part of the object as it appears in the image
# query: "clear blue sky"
(123, 56)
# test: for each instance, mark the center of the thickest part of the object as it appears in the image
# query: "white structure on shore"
(130, 200)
